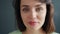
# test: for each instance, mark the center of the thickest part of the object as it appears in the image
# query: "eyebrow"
(34, 6)
(25, 5)
(38, 5)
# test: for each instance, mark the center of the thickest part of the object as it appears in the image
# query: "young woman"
(34, 17)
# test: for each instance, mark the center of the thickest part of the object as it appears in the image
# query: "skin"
(32, 10)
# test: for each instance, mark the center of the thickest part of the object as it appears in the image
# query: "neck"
(34, 32)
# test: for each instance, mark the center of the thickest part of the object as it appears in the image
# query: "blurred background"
(8, 21)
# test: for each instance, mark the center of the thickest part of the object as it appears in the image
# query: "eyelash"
(37, 9)
(25, 9)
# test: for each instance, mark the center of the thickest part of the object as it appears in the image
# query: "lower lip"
(33, 23)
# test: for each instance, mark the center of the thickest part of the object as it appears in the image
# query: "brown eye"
(25, 9)
(39, 9)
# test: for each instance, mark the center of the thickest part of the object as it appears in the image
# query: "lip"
(33, 23)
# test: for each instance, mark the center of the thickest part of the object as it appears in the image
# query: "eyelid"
(25, 9)
(39, 7)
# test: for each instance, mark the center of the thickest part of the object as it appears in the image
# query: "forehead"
(27, 1)
(30, 2)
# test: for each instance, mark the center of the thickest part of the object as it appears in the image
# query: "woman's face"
(33, 13)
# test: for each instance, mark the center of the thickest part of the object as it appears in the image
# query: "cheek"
(24, 17)
(42, 16)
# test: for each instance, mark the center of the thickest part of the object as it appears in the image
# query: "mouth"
(33, 23)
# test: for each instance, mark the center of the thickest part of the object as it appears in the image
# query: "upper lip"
(32, 22)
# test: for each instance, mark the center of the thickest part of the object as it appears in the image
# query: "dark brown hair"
(48, 26)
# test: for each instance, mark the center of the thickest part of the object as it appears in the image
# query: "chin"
(34, 28)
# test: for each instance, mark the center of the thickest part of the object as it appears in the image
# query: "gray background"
(7, 16)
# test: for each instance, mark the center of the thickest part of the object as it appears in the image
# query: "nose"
(33, 14)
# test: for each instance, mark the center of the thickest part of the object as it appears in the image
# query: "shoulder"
(15, 32)
(54, 33)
